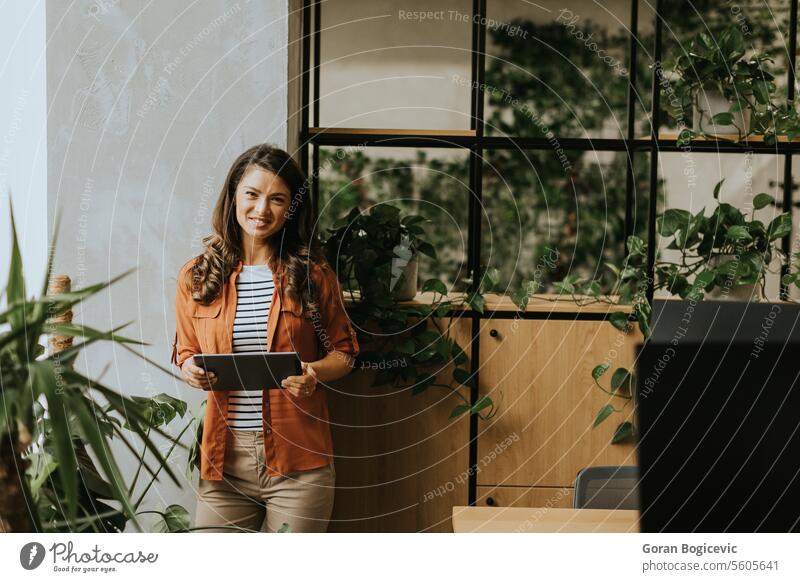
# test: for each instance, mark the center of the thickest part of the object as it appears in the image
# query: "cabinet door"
(540, 375)
(401, 461)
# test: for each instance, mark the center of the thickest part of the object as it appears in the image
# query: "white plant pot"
(747, 292)
(408, 289)
(709, 102)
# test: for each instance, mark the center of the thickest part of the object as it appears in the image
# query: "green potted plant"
(364, 250)
(384, 245)
(725, 91)
(716, 254)
(727, 251)
(50, 418)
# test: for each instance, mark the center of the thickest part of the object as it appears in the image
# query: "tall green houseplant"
(32, 384)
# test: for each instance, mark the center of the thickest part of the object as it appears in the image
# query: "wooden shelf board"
(545, 303)
(667, 135)
(389, 131)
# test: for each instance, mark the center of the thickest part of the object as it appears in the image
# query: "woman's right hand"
(196, 377)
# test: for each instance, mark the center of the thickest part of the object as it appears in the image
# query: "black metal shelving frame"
(312, 141)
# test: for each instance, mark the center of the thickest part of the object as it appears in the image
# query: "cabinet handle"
(490, 501)
(493, 333)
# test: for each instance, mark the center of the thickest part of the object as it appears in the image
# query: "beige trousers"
(298, 502)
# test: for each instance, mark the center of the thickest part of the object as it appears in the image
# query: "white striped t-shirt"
(254, 288)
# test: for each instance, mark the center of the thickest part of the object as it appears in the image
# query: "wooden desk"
(543, 520)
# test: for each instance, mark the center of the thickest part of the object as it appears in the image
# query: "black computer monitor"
(718, 418)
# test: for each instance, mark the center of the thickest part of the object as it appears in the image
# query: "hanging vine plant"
(415, 342)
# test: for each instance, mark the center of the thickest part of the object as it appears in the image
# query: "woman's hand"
(196, 376)
(301, 386)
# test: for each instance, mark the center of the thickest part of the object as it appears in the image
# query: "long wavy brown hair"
(296, 243)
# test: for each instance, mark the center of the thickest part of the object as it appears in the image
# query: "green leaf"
(15, 286)
(463, 377)
(623, 432)
(704, 279)
(43, 381)
(644, 325)
(761, 90)
(174, 519)
(490, 280)
(427, 249)
(604, 413)
(520, 298)
(685, 137)
(780, 227)
(412, 219)
(483, 402)
(620, 377)
(102, 451)
(477, 302)
(672, 220)
(42, 466)
(738, 233)
(421, 385)
(406, 346)
(717, 189)
(636, 245)
(434, 285)
(762, 201)
(459, 355)
(74, 330)
(619, 320)
(723, 118)
(459, 410)
(599, 370)
(564, 287)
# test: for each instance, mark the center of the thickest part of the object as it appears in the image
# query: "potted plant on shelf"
(368, 252)
(726, 91)
(384, 245)
(725, 251)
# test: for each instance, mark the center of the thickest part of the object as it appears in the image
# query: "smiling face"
(262, 199)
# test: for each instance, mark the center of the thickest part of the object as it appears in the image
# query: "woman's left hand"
(301, 386)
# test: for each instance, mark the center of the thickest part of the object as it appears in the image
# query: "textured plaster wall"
(149, 103)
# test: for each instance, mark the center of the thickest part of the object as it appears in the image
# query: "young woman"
(262, 285)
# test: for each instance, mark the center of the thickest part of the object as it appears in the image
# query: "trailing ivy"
(408, 344)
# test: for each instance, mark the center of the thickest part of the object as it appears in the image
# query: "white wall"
(149, 104)
(23, 151)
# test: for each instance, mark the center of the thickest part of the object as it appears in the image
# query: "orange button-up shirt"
(297, 435)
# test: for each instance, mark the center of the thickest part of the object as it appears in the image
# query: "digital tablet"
(253, 371)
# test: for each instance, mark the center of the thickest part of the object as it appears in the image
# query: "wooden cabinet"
(539, 373)
(402, 463)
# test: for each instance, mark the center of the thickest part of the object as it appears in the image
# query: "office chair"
(607, 488)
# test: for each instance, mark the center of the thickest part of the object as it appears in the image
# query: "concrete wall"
(149, 103)
(23, 151)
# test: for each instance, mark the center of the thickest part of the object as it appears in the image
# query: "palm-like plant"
(31, 384)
